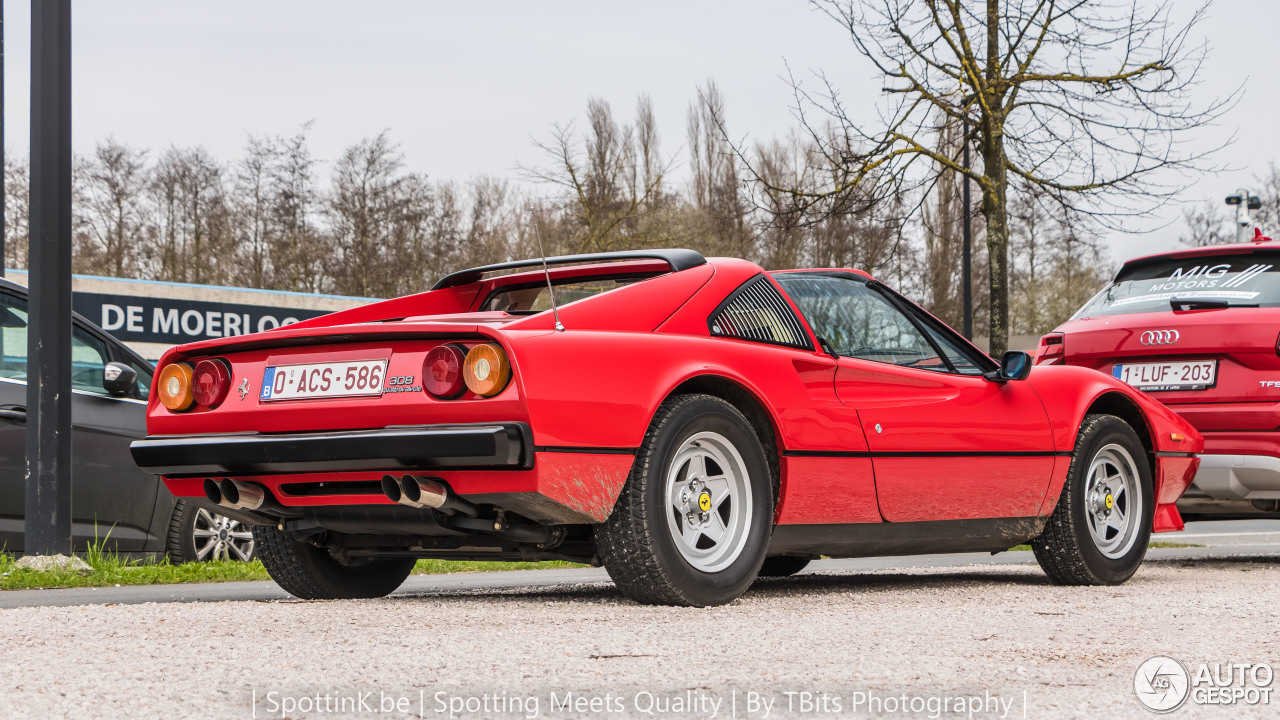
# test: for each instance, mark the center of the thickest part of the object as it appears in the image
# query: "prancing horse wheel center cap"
(704, 501)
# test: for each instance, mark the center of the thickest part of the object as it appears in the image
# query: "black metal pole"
(967, 265)
(48, 501)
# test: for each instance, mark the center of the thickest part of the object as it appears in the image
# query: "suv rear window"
(1251, 280)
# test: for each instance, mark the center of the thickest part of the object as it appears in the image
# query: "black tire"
(1066, 549)
(636, 543)
(783, 565)
(181, 545)
(312, 573)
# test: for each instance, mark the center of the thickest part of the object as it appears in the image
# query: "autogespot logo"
(1162, 684)
(1159, 337)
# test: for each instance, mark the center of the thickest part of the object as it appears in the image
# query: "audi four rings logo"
(1159, 337)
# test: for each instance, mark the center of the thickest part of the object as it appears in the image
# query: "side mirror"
(120, 379)
(1015, 365)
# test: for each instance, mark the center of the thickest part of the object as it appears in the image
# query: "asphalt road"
(1231, 539)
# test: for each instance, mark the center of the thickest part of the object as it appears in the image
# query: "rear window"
(1251, 280)
(535, 298)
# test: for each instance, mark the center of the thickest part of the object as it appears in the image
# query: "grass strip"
(110, 569)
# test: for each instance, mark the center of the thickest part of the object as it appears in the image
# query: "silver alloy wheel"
(708, 501)
(1113, 501)
(218, 537)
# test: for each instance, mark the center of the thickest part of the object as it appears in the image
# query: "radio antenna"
(555, 312)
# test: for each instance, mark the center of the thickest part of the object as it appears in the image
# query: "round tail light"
(486, 370)
(175, 387)
(210, 382)
(442, 372)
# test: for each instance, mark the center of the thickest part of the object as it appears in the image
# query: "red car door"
(946, 446)
(945, 442)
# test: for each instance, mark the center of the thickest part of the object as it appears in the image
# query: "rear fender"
(600, 390)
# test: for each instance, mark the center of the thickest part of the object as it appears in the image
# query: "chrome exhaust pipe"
(212, 491)
(241, 496)
(422, 492)
(391, 488)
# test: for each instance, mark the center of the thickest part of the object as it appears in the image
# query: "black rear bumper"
(499, 445)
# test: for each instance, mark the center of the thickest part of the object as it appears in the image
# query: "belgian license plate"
(1157, 377)
(323, 380)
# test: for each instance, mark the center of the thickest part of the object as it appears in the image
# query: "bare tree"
(194, 239)
(608, 180)
(251, 205)
(1268, 216)
(367, 213)
(300, 248)
(17, 206)
(1205, 225)
(716, 186)
(1056, 265)
(491, 223)
(110, 210)
(1085, 101)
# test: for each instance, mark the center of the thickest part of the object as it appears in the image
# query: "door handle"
(14, 414)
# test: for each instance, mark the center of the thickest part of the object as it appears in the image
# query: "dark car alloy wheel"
(218, 537)
(199, 533)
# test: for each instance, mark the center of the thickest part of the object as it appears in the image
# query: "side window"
(88, 358)
(88, 353)
(758, 312)
(13, 338)
(859, 322)
(964, 364)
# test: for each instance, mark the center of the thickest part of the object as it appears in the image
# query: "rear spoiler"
(292, 336)
(677, 259)
(1204, 251)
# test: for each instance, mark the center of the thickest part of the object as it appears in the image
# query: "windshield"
(1251, 280)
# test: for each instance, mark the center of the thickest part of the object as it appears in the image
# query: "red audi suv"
(1198, 329)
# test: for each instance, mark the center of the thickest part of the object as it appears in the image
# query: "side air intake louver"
(758, 312)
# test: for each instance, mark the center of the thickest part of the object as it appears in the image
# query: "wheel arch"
(752, 408)
(1117, 404)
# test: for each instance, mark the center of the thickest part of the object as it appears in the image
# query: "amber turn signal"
(176, 392)
(486, 370)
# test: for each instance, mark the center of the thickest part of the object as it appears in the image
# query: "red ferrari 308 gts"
(689, 424)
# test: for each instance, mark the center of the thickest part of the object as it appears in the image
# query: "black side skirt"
(910, 538)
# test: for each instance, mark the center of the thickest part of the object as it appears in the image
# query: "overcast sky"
(466, 87)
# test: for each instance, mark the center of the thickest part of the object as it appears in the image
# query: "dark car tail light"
(210, 382)
(174, 387)
(486, 370)
(442, 372)
(1051, 349)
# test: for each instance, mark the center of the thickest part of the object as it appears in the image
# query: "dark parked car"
(111, 498)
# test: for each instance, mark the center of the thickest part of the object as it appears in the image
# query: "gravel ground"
(998, 635)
